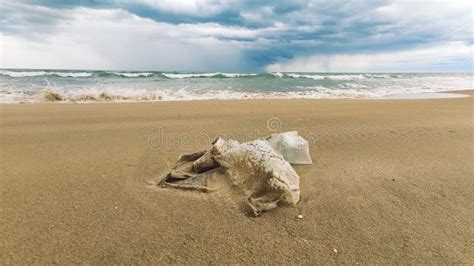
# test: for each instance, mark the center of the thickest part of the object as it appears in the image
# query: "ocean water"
(20, 85)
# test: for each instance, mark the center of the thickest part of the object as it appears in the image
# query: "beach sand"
(392, 181)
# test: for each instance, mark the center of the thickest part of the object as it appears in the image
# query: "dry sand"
(392, 181)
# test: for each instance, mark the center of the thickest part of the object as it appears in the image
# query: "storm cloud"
(339, 36)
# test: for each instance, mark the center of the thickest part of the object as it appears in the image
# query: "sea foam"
(120, 86)
(206, 75)
(21, 74)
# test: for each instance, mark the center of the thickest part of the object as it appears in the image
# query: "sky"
(243, 36)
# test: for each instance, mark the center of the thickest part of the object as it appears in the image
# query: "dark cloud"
(28, 21)
(269, 31)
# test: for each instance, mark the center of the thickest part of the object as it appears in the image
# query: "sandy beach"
(392, 182)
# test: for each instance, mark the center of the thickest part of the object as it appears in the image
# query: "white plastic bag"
(261, 168)
(254, 166)
(291, 146)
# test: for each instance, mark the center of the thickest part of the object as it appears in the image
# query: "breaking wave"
(121, 74)
(340, 76)
(207, 75)
(121, 95)
(21, 74)
(133, 74)
(118, 86)
(89, 96)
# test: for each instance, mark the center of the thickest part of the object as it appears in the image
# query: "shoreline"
(410, 96)
(391, 183)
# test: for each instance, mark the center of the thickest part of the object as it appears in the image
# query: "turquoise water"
(20, 85)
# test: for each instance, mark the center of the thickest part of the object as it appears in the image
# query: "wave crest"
(133, 74)
(21, 74)
(207, 75)
(104, 74)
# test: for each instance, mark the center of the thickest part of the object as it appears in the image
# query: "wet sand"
(392, 182)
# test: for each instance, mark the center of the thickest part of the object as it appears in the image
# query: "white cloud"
(254, 34)
(116, 39)
(444, 19)
(436, 58)
(190, 7)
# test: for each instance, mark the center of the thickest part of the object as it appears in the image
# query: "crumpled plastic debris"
(293, 147)
(260, 167)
